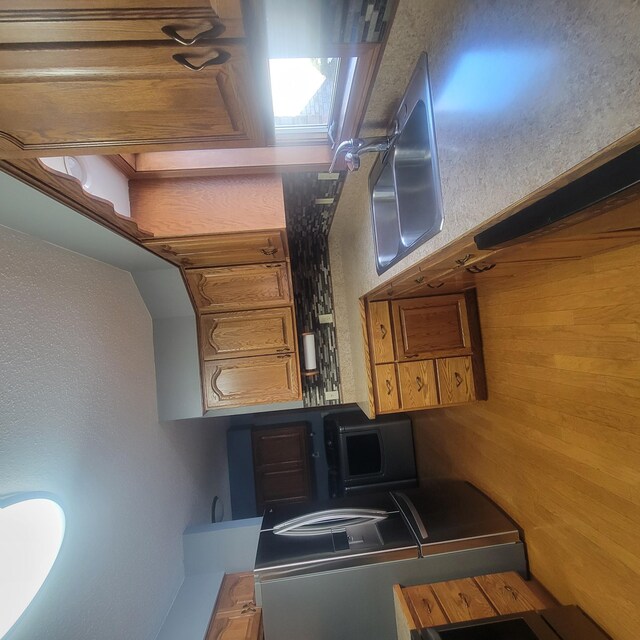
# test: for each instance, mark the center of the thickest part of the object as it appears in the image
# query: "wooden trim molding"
(68, 191)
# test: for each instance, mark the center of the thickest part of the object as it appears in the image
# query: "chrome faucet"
(355, 147)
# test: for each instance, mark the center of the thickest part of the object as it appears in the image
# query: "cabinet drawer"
(237, 382)
(455, 380)
(247, 333)
(431, 327)
(417, 383)
(257, 286)
(386, 386)
(222, 249)
(380, 332)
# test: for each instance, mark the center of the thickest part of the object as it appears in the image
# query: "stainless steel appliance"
(368, 455)
(325, 571)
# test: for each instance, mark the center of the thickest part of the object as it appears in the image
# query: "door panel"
(431, 327)
(247, 333)
(238, 382)
(238, 288)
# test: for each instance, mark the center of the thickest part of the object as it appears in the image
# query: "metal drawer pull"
(221, 58)
(389, 387)
(464, 259)
(216, 31)
(435, 286)
(288, 355)
(269, 251)
(459, 379)
(419, 383)
(419, 280)
(383, 331)
(474, 268)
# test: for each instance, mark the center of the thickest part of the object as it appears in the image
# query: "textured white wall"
(78, 418)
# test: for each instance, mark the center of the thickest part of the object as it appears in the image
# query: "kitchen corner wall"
(78, 419)
(309, 207)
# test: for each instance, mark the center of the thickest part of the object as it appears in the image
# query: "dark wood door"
(281, 461)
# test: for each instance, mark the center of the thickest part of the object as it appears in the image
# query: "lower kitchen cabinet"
(417, 384)
(254, 380)
(236, 616)
(386, 386)
(455, 380)
(438, 352)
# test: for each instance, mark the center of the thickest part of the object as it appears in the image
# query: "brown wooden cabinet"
(436, 355)
(455, 380)
(281, 465)
(257, 286)
(417, 384)
(236, 616)
(222, 249)
(255, 380)
(381, 336)
(386, 383)
(431, 326)
(247, 333)
(91, 74)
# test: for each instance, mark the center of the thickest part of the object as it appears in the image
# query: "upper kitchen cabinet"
(86, 76)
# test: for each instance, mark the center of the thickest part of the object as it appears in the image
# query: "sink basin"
(406, 203)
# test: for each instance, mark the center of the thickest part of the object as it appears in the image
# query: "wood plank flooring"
(557, 444)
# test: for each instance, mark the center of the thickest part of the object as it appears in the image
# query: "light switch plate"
(331, 395)
(326, 318)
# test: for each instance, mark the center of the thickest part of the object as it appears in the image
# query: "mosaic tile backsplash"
(309, 201)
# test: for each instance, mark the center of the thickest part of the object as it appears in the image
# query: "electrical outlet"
(331, 395)
(326, 318)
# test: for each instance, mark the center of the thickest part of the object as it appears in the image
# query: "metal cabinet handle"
(389, 387)
(419, 280)
(215, 32)
(383, 331)
(474, 268)
(464, 259)
(411, 355)
(269, 251)
(419, 383)
(221, 58)
(287, 356)
(459, 379)
(435, 286)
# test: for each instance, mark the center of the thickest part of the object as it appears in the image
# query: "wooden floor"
(557, 444)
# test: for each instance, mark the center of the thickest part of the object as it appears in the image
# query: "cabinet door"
(431, 327)
(257, 286)
(455, 380)
(236, 591)
(417, 383)
(386, 385)
(281, 465)
(247, 333)
(128, 98)
(380, 332)
(236, 625)
(238, 382)
(222, 249)
(43, 21)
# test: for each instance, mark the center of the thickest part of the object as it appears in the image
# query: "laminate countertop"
(522, 92)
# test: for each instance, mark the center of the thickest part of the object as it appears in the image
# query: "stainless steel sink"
(406, 203)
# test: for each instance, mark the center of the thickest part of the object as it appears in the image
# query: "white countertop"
(522, 92)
